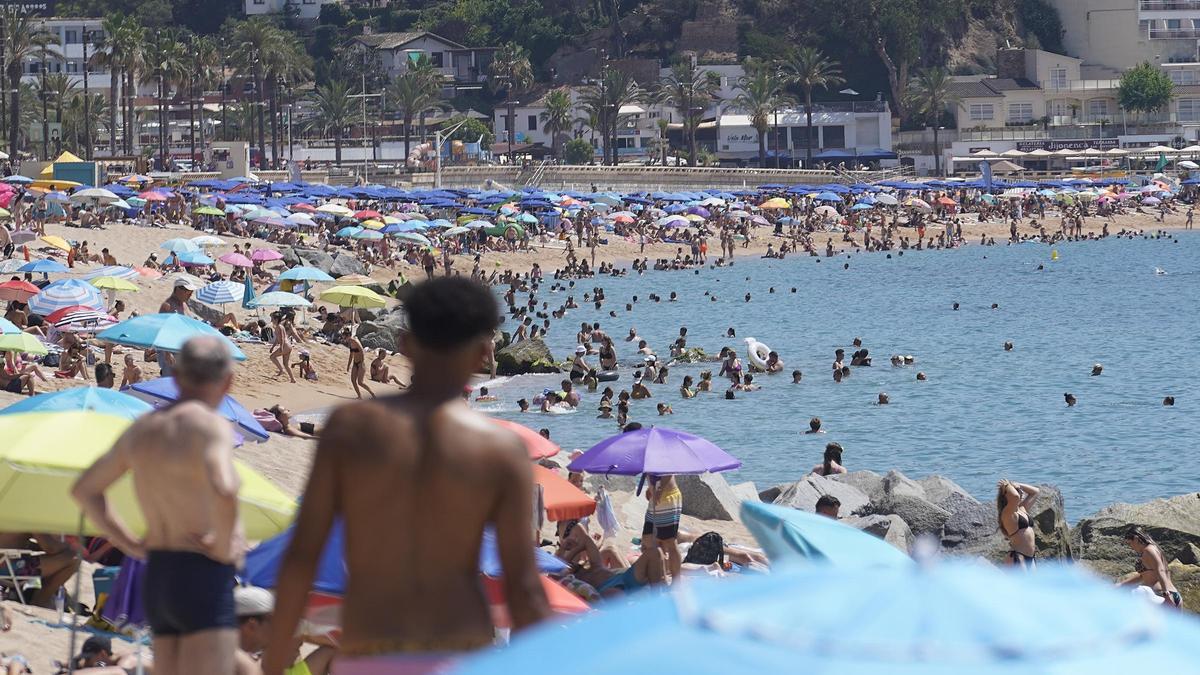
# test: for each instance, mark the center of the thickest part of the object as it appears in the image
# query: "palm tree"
(132, 35)
(510, 73)
(23, 37)
(417, 91)
(761, 94)
(286, 66)
(604, 100)
(556, 118)
(256, 39)
(808, 69)
(334, 112)
(60, 90)
(165, 61)
(111, 54)
(73, 118)
(927, 96)
(690, 91)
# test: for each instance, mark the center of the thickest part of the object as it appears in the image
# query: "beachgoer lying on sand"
(284, 417)
(381, 371)
(98, 658)
(605, 569)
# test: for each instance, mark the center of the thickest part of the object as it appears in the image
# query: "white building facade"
(305, 10)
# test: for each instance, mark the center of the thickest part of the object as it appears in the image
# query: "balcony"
(1174, 33)
(1052, 86)
(1168, 5)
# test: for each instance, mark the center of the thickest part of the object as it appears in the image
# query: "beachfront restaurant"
(846, 133)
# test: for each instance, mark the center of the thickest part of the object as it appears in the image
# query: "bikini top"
(1022, 524)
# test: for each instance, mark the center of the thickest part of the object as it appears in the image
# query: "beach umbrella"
(162, 391)
(775, 203)
(17, 180)
(562, 500)
(66, 293)
(58, 197)
(367, 213)
(208, 240)
(118, 271)
(45, 266)
(954, 617)
(166, 332)
(791, 535)
(280, 299)
(415, 237)
(862, 206)
(886, 199)
(348, 231)
(221, 293)
(372, 224)
(22, 343)
(303, 206)
(302, 273)
(353, 296)
(265, 255)
(654, 450)
(7, 327)
(194, 258)
(1151, 200)
(301, 219)
(919, 204)
(113, 284)
(826, 212)
(95, 399)
(179, 245)
(354, 280)
(236, 259)
(16, 289)
(538, 446)
(527, 218)
(334, 209)
(152, 196)
(135, 178)
(84, 321)
(208, 211)
(57, 242)
(371, 235)
(828, 197)
(946, 201)
(97, 194)
(44, 453)
(454, 232)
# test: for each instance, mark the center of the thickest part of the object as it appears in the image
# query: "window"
(71, 37)
(981, 111)
(1144, 27)
(1180, 76)
(533, 123)
(72, 67)
(1020, 113)
(310, 2)
(35, 67)
(833, 137)
(1189, 109)
(800, 137)
(436, 59)
(1173, 24)
(1097, 107)
(259, 2)
(1058, 78)
(1060, 109)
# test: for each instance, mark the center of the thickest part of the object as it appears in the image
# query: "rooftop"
(397, 40)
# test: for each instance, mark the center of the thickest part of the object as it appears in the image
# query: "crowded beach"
(207, 338)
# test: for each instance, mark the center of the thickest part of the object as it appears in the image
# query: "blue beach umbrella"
(95, 399)
(789, 535)
(828, 196)
(7, 327)
(194, 258)
(45, 266)
(370, 235)
(954, 617)
(348, 231)
(179, 245)
(66, 293)
(279, 299)
(861, 207)
(304, 274)
(167, 332)
(163, 390)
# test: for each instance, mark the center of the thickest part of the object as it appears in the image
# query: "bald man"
(181, 459)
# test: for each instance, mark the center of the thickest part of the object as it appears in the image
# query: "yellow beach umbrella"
(23, 343)
(354, 280)
(47, 184)
(114, 284)
(57, 242)
(775, 203)
(372, 224)
(391, 220)
(352, 296)
(44, 453)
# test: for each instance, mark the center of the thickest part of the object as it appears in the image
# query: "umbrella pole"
(78, 583)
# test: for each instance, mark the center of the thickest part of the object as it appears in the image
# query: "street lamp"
(363, 97)
(87, 117)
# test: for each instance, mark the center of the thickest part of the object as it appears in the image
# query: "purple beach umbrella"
(656, 450)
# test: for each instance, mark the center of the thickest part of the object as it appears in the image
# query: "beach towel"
(606, 515)
(267, 420)
(124, 604)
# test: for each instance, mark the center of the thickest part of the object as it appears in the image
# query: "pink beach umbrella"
(236, 259)
(265, 255)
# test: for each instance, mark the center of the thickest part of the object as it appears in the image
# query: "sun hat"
(252, 601)
(581, 349)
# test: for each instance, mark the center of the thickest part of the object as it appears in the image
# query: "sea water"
(982, 415)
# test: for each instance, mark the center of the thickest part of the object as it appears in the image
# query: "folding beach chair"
(9, 576)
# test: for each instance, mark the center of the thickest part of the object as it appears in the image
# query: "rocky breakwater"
(526, 356)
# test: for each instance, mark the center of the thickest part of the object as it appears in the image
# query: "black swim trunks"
(187, 592)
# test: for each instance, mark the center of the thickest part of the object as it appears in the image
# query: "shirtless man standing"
(182, 464)
(413, 602)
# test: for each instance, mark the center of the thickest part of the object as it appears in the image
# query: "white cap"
(581, 349)
(252, 601)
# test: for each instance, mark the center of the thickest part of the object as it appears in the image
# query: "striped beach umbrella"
(221, 293)
(84, 321)
(65, 293)
(117, 271)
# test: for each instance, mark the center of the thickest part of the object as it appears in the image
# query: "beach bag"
(708, 548)
(50, 360)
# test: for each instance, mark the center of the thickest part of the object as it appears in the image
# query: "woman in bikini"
(1013, 501)
(1150, 568)
(281, 347)
(355, 365)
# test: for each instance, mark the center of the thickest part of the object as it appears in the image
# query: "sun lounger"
(9, 576)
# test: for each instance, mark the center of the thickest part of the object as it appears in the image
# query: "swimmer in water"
(664, 409)
(523, 405)
(731, 332)
(1169, 401)
(797, 376)
(705, 383)
(484, 396)
(883, 399)
(685, 389)
(1070, 399)
(921, 377)
(814, 426)
(774, 365)
(832, 463)
(1008, 346)
(639, 390)
(1097, 369)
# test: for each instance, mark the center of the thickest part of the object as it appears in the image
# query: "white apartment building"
(635, 136)
(305, 10)
(67, 55)
(461, 67)
(1123, 33)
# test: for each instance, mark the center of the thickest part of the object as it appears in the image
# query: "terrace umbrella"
(22, 343)
(265, 255)
(221, 293)
(303, 273)
(236, 259)
(789, 535)
(18, 290)
(45, 266)
(280, 299)
(162, 391)
(353, 296)
(45, 452)
(66, 293)
(948, 618)
(94, 399)
(166, 332)
(657, 451)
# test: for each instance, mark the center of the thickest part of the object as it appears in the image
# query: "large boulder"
(345, 264)
(383, 330)
(206, 313)
(868, 482)
(804, 493)
(1174, 523)
(970, 521)
(310, 257)
(710, 497)
(526, 356)
(891, 529)
(941, 490)
(899, 495)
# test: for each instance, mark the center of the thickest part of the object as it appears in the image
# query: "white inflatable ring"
(757, 353)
